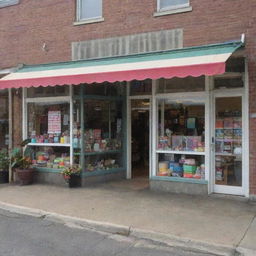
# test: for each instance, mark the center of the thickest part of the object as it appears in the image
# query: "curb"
(164, 239)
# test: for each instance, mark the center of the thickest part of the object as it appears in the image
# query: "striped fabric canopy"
(194, 61)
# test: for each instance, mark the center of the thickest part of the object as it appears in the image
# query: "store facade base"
(178, 187)
(52, 178)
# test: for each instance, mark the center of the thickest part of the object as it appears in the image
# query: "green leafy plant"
(19, 159)
(72, 170)
(4, 160)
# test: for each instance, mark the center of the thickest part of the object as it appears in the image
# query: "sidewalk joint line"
(246, 231)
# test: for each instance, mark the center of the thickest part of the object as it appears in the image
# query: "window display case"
(98, 136)
(48, 128)
(181, 138)
(228, 142)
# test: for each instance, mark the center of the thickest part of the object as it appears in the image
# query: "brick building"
(195, 145)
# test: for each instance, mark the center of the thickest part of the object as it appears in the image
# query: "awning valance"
(194, 61)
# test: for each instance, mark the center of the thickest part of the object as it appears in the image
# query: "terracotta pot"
(25, 176)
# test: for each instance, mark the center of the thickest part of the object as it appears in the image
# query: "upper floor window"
(89, 9)
(4, 3)
(165, 5)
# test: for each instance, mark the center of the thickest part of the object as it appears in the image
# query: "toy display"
(181, 143)
(182, 167)
(48, 158)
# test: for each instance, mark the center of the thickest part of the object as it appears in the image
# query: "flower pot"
(25, 176)
(4, 176)
(74, 181)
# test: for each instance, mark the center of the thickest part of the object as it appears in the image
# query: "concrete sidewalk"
(212, 224)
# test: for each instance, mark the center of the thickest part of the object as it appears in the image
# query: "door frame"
(225, 189)
(129, 130)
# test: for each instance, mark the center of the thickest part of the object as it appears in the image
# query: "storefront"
(194, 114)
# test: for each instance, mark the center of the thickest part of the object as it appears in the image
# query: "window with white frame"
(164, 5)
(89, 9)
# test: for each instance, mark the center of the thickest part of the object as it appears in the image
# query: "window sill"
(82, 22)
(174, 11)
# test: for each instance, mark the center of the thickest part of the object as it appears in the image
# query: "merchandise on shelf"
(50, 160)
(185, 167)
(63, 138)
(102, 165)
(94, 142)
(181, 143)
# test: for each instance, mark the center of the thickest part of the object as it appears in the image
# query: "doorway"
(140, 138)
(228, 139)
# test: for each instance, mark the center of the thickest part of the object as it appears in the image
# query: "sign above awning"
(194, 61)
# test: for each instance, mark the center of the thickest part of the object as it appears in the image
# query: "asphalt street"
(22, 235)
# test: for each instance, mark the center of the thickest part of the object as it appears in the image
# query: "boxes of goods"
(177, 143)
(228, 123)
(219, 124)
(189, 171)
(164, 142)
(163, 168)
(176, 169)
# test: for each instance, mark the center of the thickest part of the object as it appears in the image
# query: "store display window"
(50, 91)
(103, 89)
(4, 122)
(98, 135)
(181, 138)
(48, 127)
(228, 141)
(176, 85)
(141, 87)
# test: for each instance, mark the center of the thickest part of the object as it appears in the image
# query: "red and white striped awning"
(195, 61)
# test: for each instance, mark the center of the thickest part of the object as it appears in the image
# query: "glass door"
(228, 145)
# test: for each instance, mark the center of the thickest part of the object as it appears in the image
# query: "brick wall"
(26, 27)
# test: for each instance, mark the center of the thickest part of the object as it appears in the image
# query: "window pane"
(172, 3)
(90, 9)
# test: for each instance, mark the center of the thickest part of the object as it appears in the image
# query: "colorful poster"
(54, 122)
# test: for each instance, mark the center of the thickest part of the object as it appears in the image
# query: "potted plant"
(72, 175)
(4, 166)
(21, 163)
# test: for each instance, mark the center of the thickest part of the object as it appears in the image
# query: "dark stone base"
(178, 187)
(57, 178)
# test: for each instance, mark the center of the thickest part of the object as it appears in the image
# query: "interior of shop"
(140, 138)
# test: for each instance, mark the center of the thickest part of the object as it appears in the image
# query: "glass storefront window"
(50, 91)
(187, 84)
(4, 122)
(99, 134)
(181, 138)
(48, 129)
(228, 141)
(103, 89)
(141, 87)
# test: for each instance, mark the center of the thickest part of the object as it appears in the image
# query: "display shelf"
(180, 179)
(49, 144)
(99, 152)
(102, 172)
(180, 152)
